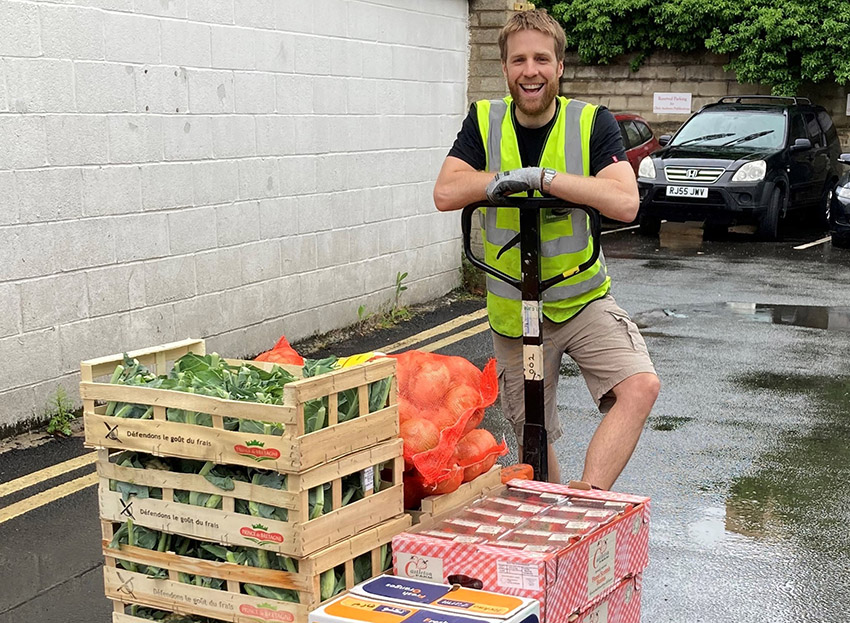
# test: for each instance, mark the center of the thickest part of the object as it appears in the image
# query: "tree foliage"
(780, 43)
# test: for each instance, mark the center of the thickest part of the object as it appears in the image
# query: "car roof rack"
(738, 99)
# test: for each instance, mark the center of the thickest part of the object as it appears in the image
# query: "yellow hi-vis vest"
(565, 239)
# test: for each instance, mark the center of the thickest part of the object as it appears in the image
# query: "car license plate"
(692, 192)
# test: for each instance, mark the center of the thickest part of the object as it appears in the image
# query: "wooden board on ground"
(437, 505)
(127, 587)
(297, 535)
(292, 451)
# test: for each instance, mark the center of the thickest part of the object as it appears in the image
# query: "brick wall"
(232, 170)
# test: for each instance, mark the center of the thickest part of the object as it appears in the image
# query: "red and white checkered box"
(622, 605)
(564, 582)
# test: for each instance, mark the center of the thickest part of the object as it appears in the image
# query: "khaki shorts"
(601, 339)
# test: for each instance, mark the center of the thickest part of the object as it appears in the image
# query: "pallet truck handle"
(526, 203)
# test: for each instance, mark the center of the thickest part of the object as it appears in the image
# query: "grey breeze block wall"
(226, 169)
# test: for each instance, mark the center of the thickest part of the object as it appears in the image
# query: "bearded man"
(536, 141)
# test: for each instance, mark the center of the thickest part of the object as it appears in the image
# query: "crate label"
(420, 567)
(265, 614)
(256, 450)
(600, 565)
(368, 479)
(515, 575)
(258, 534)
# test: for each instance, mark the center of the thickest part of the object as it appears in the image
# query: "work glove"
(514, 181)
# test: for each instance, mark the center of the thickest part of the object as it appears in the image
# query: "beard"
(538, 105)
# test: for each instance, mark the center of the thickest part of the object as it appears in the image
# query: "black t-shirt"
(606, 143)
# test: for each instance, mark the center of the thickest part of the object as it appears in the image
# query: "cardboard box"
(564, 577)
(454, 599)
(356, 609)
(622, 605)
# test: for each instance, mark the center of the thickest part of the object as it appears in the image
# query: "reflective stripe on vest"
(565, 236)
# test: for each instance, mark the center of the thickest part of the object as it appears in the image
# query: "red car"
(638, 137)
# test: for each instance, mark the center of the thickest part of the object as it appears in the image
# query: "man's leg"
(615, 364)
(616, 437)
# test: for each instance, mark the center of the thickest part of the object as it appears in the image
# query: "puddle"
(810, 316)
(668, 422)
(799, 491)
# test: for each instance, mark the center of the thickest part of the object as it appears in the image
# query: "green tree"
(780, 43)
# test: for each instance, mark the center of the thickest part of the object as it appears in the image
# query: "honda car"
(743, 160)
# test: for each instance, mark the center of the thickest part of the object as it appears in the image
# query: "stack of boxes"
(255, 551)
(579, 553)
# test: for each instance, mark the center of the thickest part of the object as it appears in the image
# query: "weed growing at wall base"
(61, 413)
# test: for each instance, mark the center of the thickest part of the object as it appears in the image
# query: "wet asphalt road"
(746, 456)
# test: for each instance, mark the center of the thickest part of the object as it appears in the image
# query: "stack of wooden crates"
(367, 445)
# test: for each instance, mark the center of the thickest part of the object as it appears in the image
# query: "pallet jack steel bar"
(531, 287)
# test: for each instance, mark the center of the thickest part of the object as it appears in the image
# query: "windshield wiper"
(748, 137)
(700, 139)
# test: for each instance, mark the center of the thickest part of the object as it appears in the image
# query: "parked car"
(750, 159)
(839, 216)
(638, 138)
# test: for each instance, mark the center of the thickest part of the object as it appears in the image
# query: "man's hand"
(514, 181)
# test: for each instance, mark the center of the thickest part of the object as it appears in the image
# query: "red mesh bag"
(450, 393)
(281, 353)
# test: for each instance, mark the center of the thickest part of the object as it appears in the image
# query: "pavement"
(746, 455)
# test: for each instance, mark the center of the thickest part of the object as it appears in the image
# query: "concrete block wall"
(228, 169)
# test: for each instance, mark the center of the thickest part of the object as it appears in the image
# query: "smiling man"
(538, 142)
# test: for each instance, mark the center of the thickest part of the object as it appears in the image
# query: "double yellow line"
(45, 497)
(73, 486)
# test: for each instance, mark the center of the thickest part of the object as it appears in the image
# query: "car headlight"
(751, 172)
(646, 168)
(843, 192)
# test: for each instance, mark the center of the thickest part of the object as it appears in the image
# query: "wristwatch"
(546, 179)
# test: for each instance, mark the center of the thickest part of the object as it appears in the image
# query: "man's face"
(532, 72)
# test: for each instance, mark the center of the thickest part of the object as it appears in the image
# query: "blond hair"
(537, 19)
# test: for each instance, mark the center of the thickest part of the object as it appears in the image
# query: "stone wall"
(621, 89)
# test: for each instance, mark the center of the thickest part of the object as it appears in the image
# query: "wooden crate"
(438, 505)
(297, 536)
(292, 452)
(128, 587)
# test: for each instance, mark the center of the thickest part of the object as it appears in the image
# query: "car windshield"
(727, 128)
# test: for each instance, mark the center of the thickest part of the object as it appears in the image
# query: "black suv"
(748, 159)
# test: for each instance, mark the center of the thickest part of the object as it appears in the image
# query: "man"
(536, 141)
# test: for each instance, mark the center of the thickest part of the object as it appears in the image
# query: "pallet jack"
(531, 287)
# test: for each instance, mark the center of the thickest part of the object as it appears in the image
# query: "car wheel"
(825, 212)
(768, 226)
(649, 225)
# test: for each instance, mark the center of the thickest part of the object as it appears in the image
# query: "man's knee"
(640, 389)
